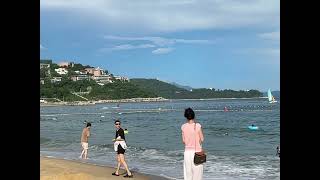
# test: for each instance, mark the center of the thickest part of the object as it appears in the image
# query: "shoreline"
(84, 103)
(133, 100)
(63, 169)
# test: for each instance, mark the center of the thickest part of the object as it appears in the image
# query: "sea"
(234, 152)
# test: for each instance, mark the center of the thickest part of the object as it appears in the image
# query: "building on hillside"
(65, 64)
(43, 65)
(89, 70)
(56, 79)
(80, 77)
(104, 79)
(98, 72)
(121, 78)
(61, 71)
(80, 72)
(95, 71)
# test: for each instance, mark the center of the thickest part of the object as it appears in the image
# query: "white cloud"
(275, 36)
(127, 47)
(162, 50)
(172, 15)
(160, 41)
(42, 48)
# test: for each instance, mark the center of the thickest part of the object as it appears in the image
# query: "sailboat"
(270, 97)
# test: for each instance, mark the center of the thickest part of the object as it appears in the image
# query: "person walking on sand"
(84, 141)
(192, 138)
(119, 147)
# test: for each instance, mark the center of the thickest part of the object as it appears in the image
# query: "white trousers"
(191, 171)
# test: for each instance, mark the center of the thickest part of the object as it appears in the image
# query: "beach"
(154, 136)
(60, 169)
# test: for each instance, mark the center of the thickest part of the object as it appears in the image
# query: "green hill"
(170, 91)
(135, 88)
(159, 88)
(181, 86)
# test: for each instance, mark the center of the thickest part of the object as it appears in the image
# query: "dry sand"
(60, 169)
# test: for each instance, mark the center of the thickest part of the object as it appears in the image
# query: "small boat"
(271, 97)
(253, 127)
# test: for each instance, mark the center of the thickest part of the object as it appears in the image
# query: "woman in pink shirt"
(192, 138)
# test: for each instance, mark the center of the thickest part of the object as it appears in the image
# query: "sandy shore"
(60, 169)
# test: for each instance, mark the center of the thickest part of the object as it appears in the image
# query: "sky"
(221, 44)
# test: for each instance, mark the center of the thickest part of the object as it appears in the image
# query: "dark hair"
(189, 114)
(88, 124)
(117, 121)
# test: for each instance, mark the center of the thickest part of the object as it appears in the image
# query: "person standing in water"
(120, 150)
(225, 109)
(84, 141)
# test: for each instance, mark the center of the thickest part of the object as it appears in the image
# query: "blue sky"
(224, 44)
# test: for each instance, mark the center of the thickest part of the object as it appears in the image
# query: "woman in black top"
(120, 133)
(120, 152)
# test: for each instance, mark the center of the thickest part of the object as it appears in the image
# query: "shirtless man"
(84, 141)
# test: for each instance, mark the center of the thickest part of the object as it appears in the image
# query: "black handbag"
(199, 157)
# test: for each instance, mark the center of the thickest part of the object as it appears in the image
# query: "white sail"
(270, 97)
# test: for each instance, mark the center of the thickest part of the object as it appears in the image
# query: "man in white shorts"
(84, 141)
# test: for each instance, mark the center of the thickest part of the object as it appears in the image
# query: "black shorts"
(120, 150)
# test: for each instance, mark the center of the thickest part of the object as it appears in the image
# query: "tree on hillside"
(77, 67)
(44, 73)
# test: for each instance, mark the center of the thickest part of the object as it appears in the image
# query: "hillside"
(67, 86)
(159, 88)
(181, 86)
(170, 91)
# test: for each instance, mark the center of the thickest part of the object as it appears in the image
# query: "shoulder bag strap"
(195, 139)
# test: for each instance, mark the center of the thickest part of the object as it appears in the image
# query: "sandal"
(127, 176)
(114, 174)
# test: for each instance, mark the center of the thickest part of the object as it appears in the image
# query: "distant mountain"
(181, 86)
(170, 91)
(160, 88)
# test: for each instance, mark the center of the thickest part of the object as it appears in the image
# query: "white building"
(65, 64)
(80, 77)
(80, 72)
(121, 78)
(104, 79)
(56, 79)
(42, 65)
(61, 71)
